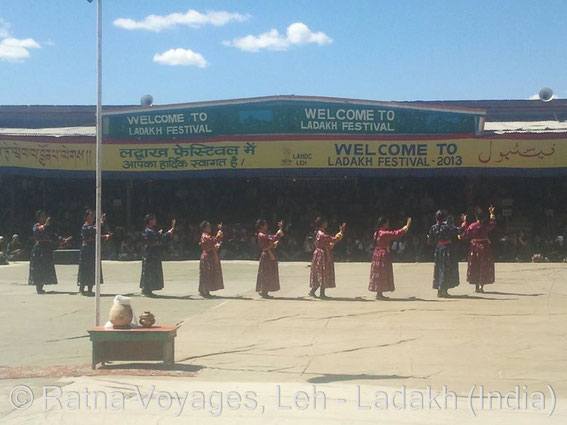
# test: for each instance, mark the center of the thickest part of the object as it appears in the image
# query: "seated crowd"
(532, 233)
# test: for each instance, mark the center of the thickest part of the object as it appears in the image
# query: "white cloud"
(183, 57)
(16, 50)
(296, 34)
(271, 40)
(191, 18)
(299, 33)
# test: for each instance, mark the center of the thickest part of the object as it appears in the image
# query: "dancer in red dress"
(210, 271)
(480, 269)
(268, 276)
(322, 264)
(381, 270)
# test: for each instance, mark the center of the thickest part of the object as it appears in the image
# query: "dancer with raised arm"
(480, 269)
(87, 258)
(381, 269)
(42, 267)
(210, 270)
(446, 272)
(268, 276)
(152, 270)
(323, 264)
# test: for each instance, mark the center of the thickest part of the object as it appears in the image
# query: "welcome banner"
(288, 115)
(287, 156)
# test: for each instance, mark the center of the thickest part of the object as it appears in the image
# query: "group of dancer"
(443, 234)
(42, 265)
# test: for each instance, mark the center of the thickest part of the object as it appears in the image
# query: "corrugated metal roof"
(507, 127)
(43, 116)
(52, 132)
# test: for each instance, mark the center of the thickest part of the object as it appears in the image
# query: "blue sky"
(367, 49)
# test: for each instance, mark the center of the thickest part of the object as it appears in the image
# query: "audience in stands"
(238, 203)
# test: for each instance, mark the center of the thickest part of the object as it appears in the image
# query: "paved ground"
(348, 347)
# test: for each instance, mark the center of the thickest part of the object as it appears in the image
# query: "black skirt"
(446, 272)
(42, 267)
(152, 272)
(86, 275)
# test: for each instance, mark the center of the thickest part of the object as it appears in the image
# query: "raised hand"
(48, 221)
(491, 210)
(102, 219)
(173, 224)
(280, 224)
(464, 218)
(219, 226)
(408, 222)
(342, 228)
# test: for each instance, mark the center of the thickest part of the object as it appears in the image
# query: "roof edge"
(402, 105)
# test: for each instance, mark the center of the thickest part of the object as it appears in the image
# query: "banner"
(289, 156)
(287, 115)
(47, 154)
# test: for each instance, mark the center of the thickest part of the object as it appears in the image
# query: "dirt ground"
(510, 340)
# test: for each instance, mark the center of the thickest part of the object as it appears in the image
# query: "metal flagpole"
(98, 242)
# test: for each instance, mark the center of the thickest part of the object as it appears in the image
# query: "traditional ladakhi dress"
(268, 276)
(152, 271)
(86, 275)
(446, 271)
(322, 264)
(42, 267)
(480, 269)
(381, 270)
(210, 270)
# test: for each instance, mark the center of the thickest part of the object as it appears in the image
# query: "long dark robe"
(86, 275)
(42, 267)
(152, 271)
(446, 270)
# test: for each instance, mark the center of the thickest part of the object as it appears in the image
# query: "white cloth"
(122, 300)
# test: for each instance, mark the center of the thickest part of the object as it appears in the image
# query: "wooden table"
(155, 343)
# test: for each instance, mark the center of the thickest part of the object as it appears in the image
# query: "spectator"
(128, 250)
(14, 249)
(3, 253)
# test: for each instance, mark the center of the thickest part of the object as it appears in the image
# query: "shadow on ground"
(329, 377)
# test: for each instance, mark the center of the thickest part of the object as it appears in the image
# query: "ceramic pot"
(120, 316)
(147, 319)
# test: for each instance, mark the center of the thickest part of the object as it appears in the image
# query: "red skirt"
(210, 276)
(480, 269)
(268, 275)
(381, 272)
(322, 270)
